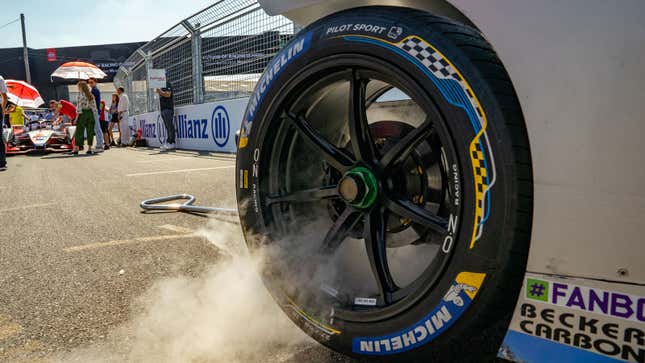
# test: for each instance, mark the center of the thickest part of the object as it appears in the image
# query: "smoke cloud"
(225, 315)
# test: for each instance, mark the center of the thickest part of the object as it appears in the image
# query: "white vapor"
(225, 315)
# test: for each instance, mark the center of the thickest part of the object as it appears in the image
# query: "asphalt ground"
(79, 263)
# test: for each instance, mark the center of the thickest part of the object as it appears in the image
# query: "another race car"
(451, 180)
(39, 135)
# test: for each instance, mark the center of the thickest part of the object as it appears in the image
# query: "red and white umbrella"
(23, 94)
(78, 70)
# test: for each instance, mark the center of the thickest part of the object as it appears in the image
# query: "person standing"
(16, 115)
(3, 150)
(104, 125)
(86, 109)
(122, 110)
(167, 109)
(97, 123)
(114, 118)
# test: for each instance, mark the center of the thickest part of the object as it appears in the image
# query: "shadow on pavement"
(186, 153)
(68, 156)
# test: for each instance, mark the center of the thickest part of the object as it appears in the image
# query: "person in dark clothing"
(167, 109)
(3, 94)
(97, 126)
(114, 118)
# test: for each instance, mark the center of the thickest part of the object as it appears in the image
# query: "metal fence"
(216, 54)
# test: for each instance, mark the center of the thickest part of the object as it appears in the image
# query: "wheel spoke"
(397, 154)
(334, 156)
(417, 214)
(377, 253)
(307, 195)
(340, 229)
(359, 132)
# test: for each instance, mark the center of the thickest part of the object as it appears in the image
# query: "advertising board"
(207, 126)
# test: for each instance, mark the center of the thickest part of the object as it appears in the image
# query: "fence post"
(239, 37)
(198, 73)
(124, 82)
(149, 91)
(196, 45)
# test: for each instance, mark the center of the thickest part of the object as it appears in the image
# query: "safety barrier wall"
(207, 126)
(216, 54)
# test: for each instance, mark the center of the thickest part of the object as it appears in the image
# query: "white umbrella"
(78, 70)
(23, 94)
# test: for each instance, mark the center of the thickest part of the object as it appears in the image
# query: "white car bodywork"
(18, 138)
(578, 68)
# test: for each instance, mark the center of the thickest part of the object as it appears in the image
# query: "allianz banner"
(207, 126)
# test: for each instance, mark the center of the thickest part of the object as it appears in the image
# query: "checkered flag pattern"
(429, 58)
(442, 69)
(480, 169)
(481, 183)
(439, 66)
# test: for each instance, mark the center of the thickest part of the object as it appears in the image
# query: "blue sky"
(61, 23)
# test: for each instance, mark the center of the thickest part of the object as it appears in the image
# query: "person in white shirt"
(3, 93)
(124, 128)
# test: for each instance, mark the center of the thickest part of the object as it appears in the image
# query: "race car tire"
(451, 70)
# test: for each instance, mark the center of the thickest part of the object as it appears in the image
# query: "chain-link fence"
(218, 53)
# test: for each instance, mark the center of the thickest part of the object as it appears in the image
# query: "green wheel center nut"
(359, 187)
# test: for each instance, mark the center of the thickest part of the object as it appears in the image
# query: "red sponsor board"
(51, 54)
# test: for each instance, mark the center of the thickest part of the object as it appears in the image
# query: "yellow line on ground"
(8, 328)
(30, 347)
(26, 207)
(181, 171)
(92, 246)
(177, 229)
(162, 159)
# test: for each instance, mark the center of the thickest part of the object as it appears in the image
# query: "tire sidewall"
(485, 257)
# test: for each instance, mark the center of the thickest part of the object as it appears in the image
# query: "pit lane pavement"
(69, 226)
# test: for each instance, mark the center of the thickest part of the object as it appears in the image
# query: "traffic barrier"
(204, 127)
